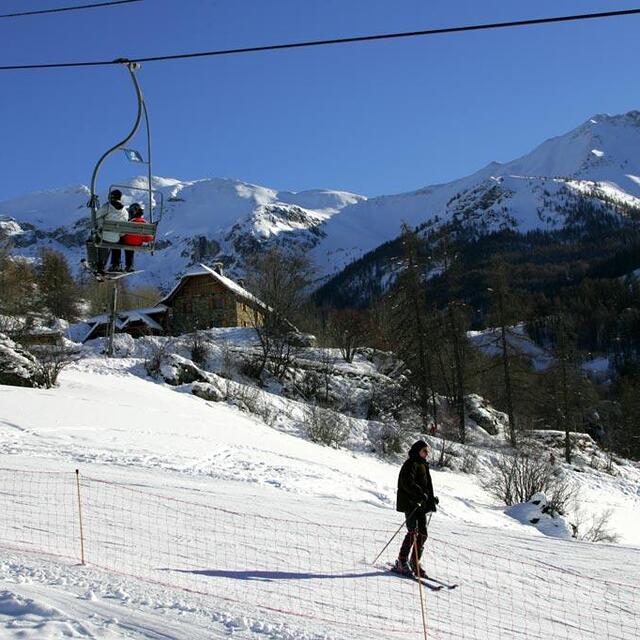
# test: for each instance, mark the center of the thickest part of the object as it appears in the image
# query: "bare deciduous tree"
(349, 329)
(278, 280)
(51, 360)
(326, 426)
(597, 528)
(156, 355)
(514, 478)
(57, 290)
(17, 291)
(198, 347)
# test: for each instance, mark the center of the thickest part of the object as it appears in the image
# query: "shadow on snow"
(269, 576)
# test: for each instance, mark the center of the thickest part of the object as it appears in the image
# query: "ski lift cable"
(95, 5)
(336, 41)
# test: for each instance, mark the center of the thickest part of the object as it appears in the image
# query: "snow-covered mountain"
(226, 219)
(208, 219)
(598, 160)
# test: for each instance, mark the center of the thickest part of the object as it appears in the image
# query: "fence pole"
(80, 518)
(417, 561)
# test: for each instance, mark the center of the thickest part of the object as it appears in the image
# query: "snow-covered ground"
(489, 342)
(201, 521)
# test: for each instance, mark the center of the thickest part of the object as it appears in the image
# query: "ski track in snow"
(44, 600)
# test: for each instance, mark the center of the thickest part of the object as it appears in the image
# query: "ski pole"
(395, 534)
(426, 526)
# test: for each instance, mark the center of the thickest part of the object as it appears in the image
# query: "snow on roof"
(125, 318)
(158, 308)
(232, 286)
(46, 331)
(141, 317)
(124, 315)
(79, 331)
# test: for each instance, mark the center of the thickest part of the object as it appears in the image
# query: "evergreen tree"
(455, 323)
(413, 334)
(506, 311)
(567, 395)
(627, 438)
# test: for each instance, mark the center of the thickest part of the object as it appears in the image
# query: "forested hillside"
(574, 292)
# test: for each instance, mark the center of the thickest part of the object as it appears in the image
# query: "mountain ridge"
(227, 219)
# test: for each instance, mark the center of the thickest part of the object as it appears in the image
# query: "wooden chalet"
(202, 298)
(206, 298)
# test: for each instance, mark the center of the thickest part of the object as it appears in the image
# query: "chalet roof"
(124, 315)
(229, 284)
(125, 318)
(45, 331)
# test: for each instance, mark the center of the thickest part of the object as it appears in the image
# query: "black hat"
(416, 448)
(116, 194)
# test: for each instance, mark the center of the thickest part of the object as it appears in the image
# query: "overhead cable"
(334, 41)
(61, 9)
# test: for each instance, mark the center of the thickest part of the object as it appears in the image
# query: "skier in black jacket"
(415, 500)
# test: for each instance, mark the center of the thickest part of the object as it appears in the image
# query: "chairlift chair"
(148, 229)
(154, 198)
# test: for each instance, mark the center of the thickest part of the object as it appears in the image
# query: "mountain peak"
(629, 118)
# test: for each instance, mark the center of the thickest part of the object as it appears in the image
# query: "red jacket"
(135, 239)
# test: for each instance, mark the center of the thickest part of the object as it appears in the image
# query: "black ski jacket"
(414, 482)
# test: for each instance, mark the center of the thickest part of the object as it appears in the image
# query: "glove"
(429, 504)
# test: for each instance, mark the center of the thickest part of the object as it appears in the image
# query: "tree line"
(44, 289)
(567, 294)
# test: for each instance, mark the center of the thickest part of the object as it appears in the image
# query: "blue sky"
(372, 118)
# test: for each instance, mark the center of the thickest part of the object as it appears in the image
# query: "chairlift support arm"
(142, 110)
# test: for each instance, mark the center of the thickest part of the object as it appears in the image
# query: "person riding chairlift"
(112, 211)
(136, 214)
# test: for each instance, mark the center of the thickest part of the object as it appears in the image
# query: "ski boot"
(402, 567)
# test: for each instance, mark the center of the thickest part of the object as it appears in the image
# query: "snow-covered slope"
(201, 521)
(215, 218)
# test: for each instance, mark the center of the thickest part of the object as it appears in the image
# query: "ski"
(411, 576)
(442, 583)
(422, 581)
(116, 275)
(108, 275)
